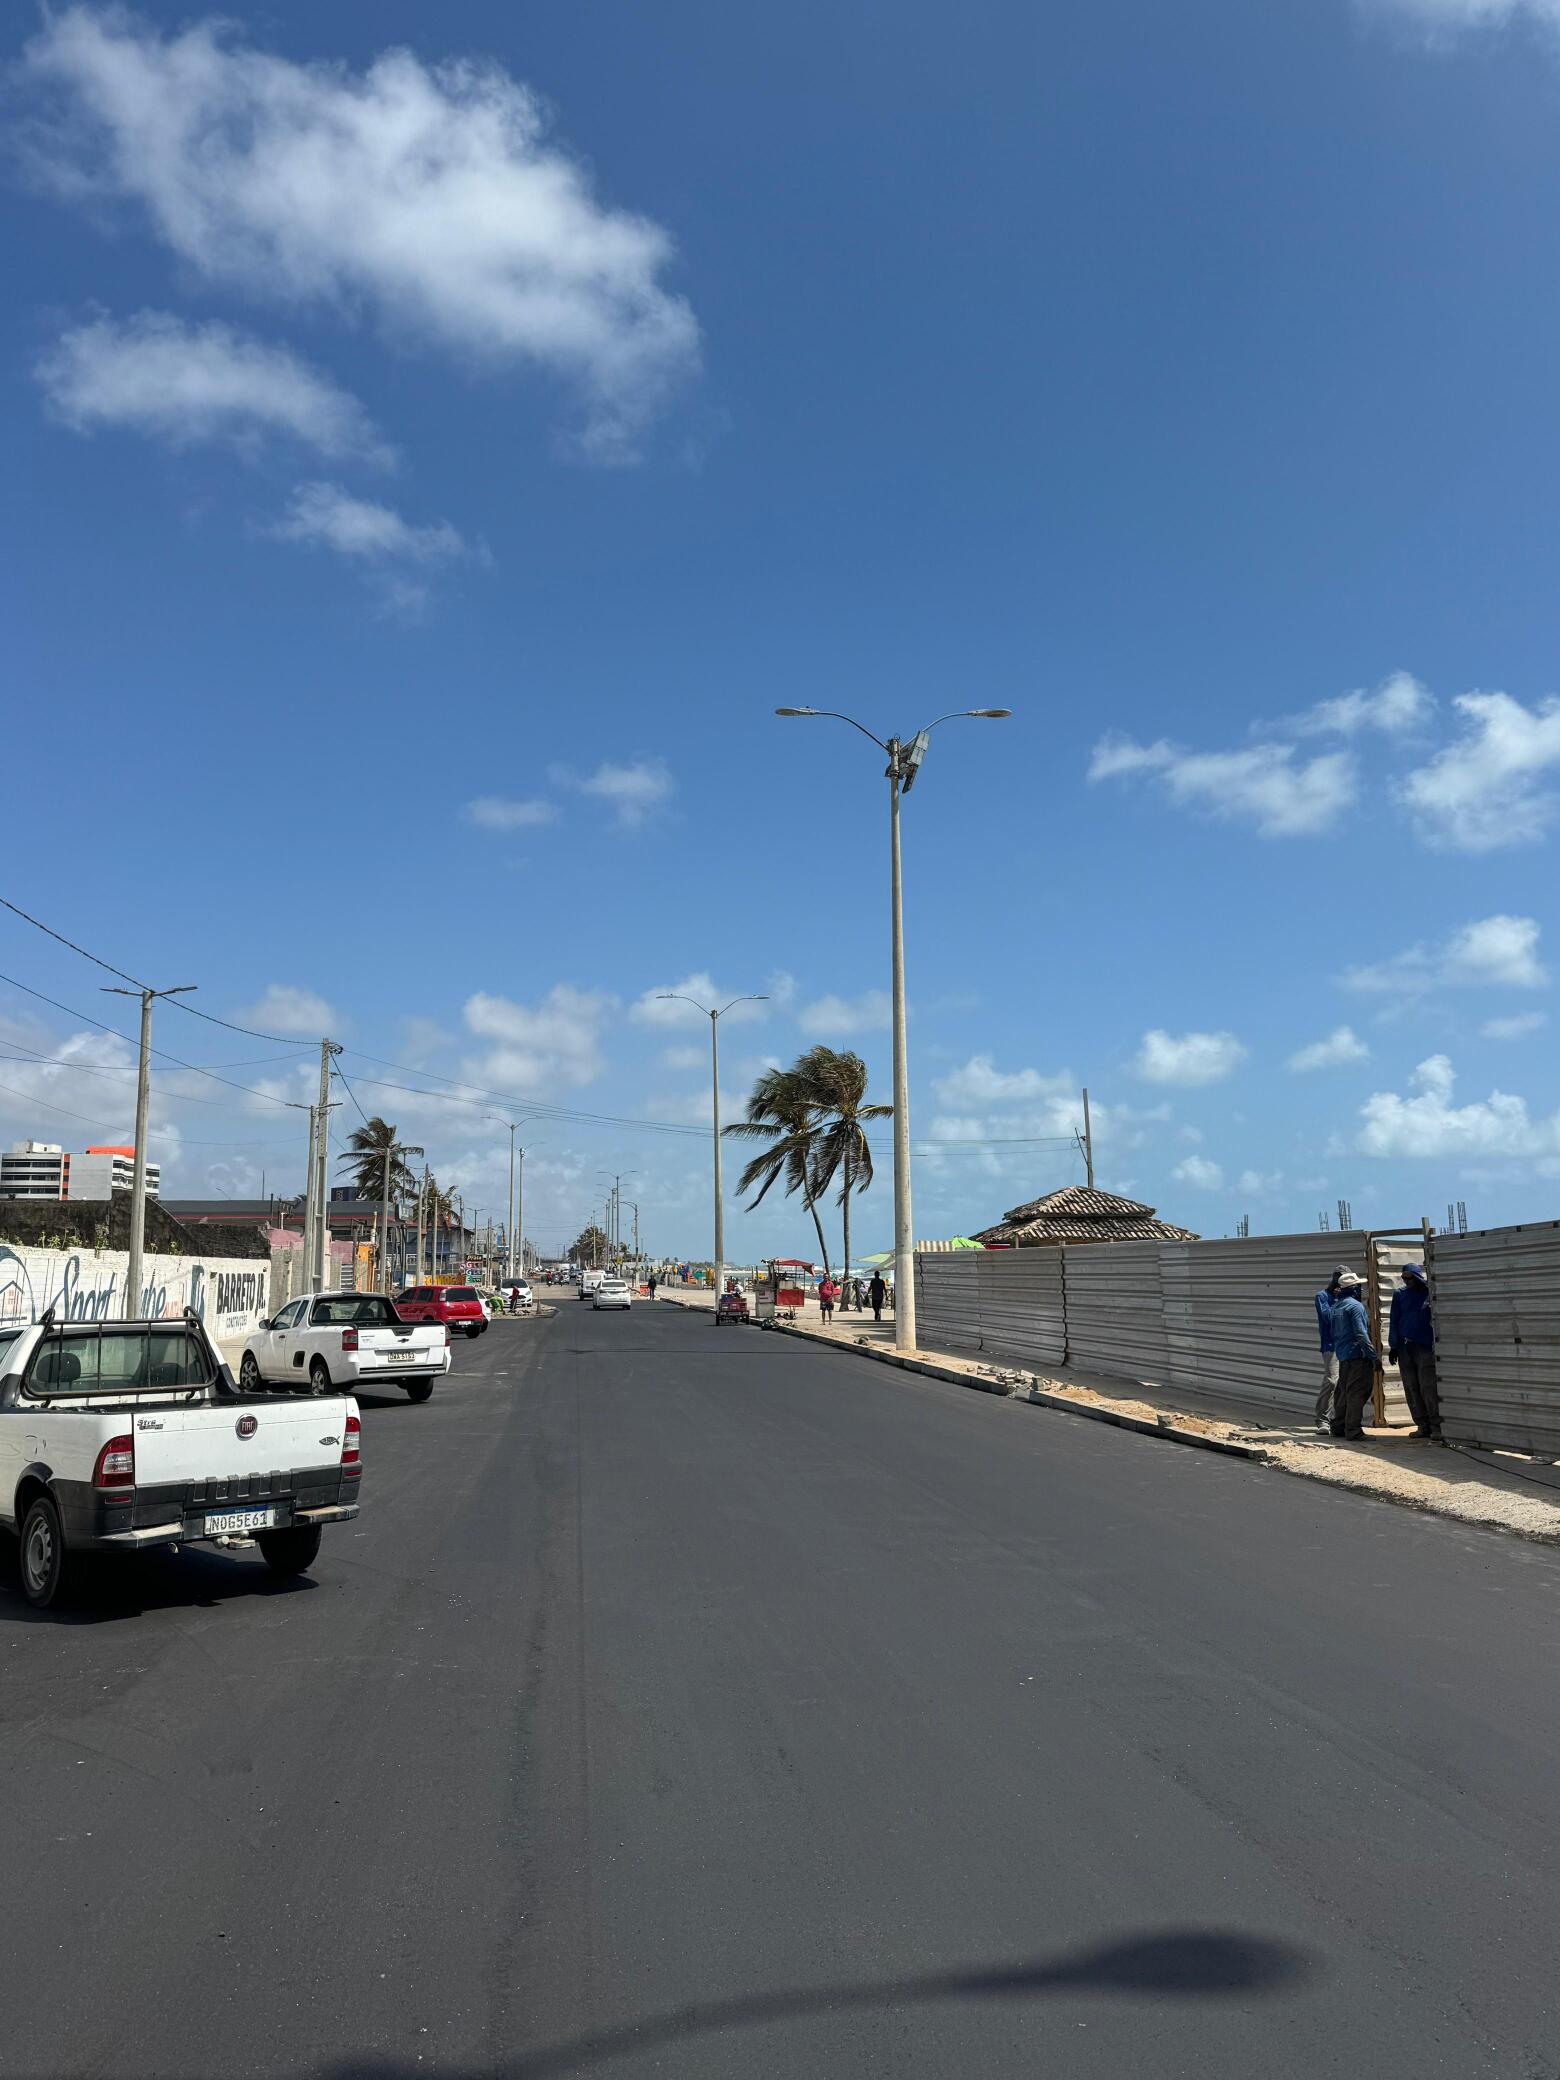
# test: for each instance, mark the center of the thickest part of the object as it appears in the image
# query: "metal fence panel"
(1241, 1317)
(947, 1300)
(1115, 1309)
(1021, 1310)
(1496, 1300)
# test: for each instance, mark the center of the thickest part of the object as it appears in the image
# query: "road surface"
(694, 1702)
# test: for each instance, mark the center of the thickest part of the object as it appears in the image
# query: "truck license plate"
(401, 1357)
(240, 1520)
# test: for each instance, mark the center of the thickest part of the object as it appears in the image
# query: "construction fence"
(1234, 1322)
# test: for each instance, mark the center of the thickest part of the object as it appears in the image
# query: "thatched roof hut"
(1077, 1214)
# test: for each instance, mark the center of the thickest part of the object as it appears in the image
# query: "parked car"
(518, 1290)
(613, 1292)
(326, 1341)
(731, 1307)
(120, 1436)
(457, 1307)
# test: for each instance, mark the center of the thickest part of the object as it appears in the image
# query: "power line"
(280, 1039)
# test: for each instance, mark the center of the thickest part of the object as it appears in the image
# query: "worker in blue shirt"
(1324, 1308)
(1411, 1347)
(1358, 1359)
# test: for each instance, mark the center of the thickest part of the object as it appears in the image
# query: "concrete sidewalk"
(1503, 1491)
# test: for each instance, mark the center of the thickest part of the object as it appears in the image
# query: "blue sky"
(435, 446)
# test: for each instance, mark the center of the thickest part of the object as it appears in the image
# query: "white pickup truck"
(118, 1436)
(331, 1342)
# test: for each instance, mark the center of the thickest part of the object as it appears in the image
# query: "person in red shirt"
(828, 1293)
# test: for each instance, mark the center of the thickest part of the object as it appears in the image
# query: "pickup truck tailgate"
(405, 1348)
(210, 1444)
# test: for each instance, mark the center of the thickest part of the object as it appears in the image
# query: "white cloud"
(1267, 785)
(1399, 703)
(1429, 1124)
(1201, 1174)
(1260, 1184)
(1442, 18)
(326, 516)
(685, 1057)
(1342, 1045)
(1516, 1028)
(835, 1018)
(558, 1041)
(494, 812)
(1484, 790)
(1188, 1058)
(980, 1083)
(1491, 952)
(635, 787)
(284, 1008)
(429, 196)
(649, 1009)
(185, 384)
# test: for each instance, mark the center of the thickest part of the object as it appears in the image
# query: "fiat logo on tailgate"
(246, 1426)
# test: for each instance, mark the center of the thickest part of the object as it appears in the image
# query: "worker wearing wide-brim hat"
(1358, 1359)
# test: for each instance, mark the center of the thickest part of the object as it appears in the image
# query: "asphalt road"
(694, 1702)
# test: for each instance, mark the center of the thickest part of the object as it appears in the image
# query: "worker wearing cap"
(1411, 1347)
(1358, 1359)
(1324, 1307)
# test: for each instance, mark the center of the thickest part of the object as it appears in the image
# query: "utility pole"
(297, 1105)
(422, 1208)
(1088, 1138)
(517, 1236)
(322, 1173)
(715, 1017)
(134, 1276)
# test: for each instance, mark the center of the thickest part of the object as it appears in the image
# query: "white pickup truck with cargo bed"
(330, 1343)
(116, 1437)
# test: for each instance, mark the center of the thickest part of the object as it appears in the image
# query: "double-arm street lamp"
(672, 996)
(904, 762)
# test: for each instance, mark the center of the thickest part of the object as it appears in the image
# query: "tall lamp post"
(514, 1210)
(673, 996)
(904, 762)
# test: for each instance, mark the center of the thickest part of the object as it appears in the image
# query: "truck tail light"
(349, 1339)
(352, 1446)
(445, 1328)
(115, 1466)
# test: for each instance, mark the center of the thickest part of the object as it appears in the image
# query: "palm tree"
(837, 1087)
(366, 1153)
(779, 1110)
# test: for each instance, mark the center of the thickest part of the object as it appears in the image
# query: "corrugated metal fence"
(1233, 1322)
(1496, 1300)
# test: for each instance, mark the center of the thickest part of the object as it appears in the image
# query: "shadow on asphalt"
(1176, 1965)
(190, 1580)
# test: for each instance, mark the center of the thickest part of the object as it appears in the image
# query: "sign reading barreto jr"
(228, 1294)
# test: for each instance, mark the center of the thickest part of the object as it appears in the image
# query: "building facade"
(44, 1170)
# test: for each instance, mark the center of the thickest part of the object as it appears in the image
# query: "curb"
(1037, 1397)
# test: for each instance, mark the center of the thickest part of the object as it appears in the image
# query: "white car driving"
(612, 1292)
(327, 1342)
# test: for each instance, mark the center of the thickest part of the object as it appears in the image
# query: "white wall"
(230, 1294)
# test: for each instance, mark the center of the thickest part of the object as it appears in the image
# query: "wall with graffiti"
(231, 1295)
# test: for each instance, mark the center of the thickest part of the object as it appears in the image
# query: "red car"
(458, 1307)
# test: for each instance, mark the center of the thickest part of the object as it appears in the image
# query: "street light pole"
(134, 1275)
(904, 762)
(715, 1017)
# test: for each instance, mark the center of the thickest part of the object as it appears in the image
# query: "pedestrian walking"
(877, 1293)
(1358, 1359)
(1411, 1347)
(1324, 1307)
(828, 1293)
(654, 1282)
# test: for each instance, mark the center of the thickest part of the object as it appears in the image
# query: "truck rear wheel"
(45, 1565)
(249, 1374)
(319, 1377)
(292, 1551)
(418, 1389)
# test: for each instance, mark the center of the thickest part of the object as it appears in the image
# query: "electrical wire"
(279, 1039)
